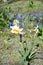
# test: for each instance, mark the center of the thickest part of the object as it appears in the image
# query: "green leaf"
(27, 54)
(32, 54)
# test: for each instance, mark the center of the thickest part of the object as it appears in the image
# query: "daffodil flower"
(16, 29)
(36, 30)
(15, 22)
(5, 0)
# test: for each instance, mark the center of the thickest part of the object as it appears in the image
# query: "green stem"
(20, 37)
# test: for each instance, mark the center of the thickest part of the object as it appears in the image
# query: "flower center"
(16, 31)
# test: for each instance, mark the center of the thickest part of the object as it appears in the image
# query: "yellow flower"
(16, 29)
(15, 22)
(5, 0)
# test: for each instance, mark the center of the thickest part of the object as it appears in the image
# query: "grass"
(22, 6)
(9, 47)
(9, 43)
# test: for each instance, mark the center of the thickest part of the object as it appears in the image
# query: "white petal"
(14, 27)
(21, 29)
(12, 31)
